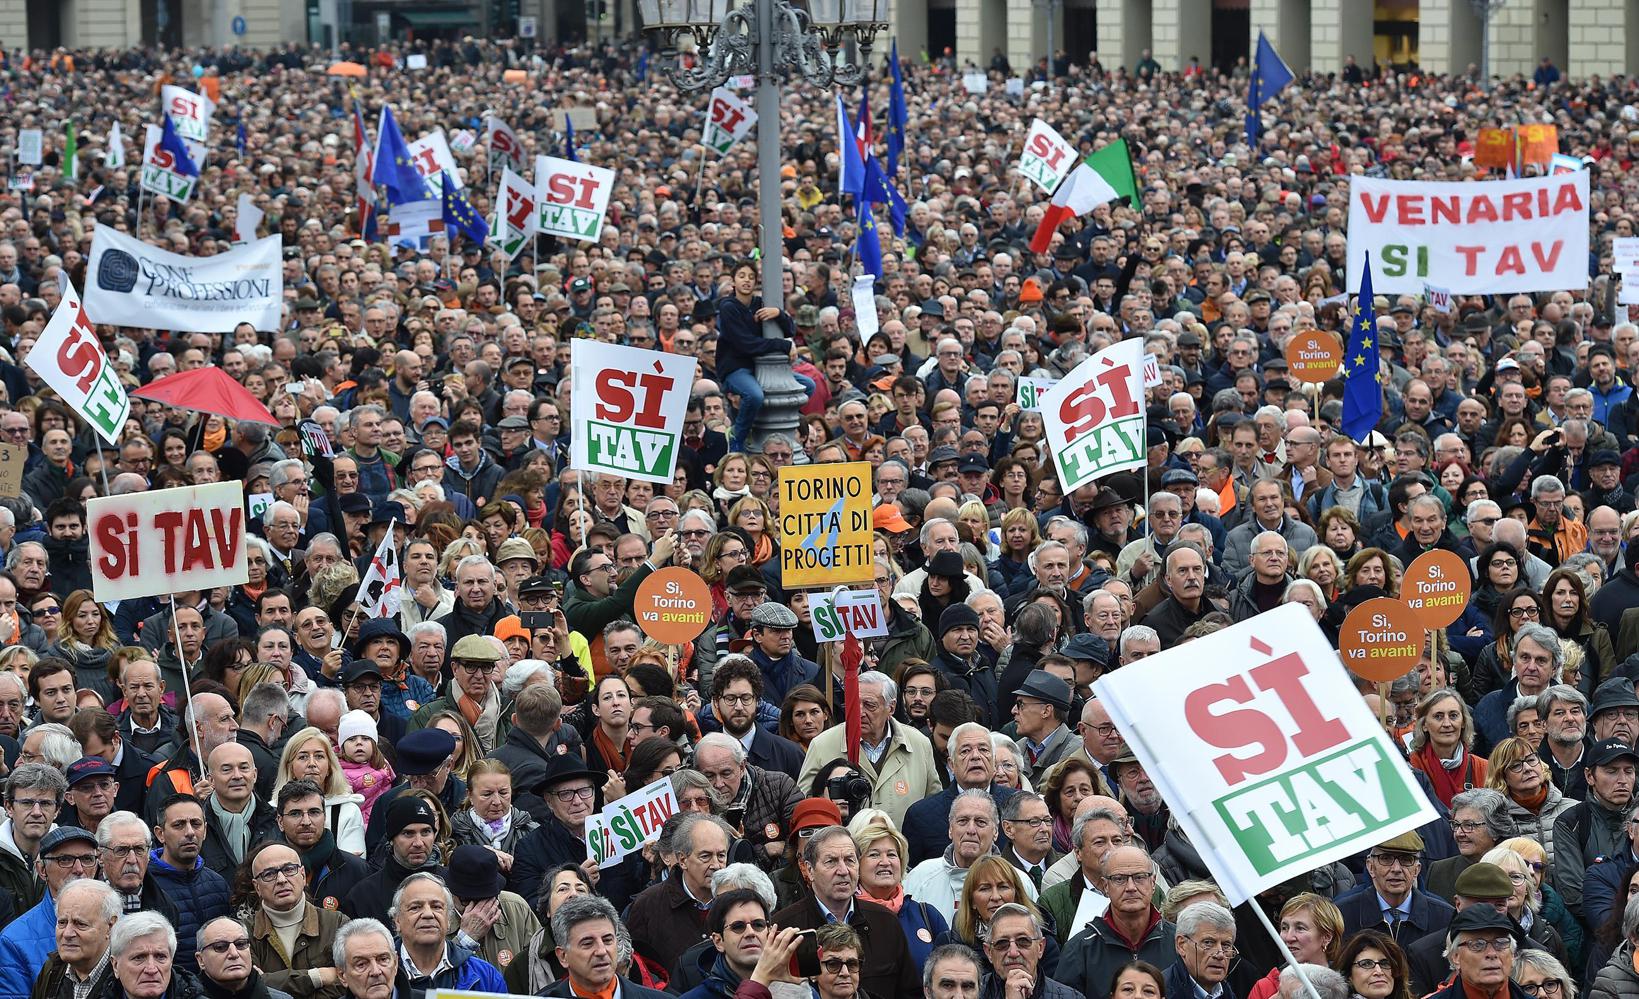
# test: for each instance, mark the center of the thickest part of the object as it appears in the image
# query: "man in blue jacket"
(66, 854)
(422, 909)
(736, 924)
(199, 893)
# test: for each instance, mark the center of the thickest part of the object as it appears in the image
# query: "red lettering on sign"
(619, 404)
(425, 164)
(1284, 677)
(80, 356)
(182, 106)
(1254, 729)
(169, 521)
(520, 207)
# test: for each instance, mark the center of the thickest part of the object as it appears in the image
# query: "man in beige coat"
(895, 758)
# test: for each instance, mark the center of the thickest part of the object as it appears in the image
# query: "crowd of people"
(258, 792)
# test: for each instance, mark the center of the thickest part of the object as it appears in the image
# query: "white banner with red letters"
(1047, 157)
(1493, 237)
(627, 405)
(69, 358)
(728, 119)
(187, 538)
(1095, 415)
(572, 198)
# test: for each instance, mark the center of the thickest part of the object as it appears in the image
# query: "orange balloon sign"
(1436, 587)
(1313, 356)
(1381, 640)
(673, 605)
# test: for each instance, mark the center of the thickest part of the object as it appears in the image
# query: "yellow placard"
(825, 524)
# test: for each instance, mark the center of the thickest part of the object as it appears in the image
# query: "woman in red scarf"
(1441, 737)
(1533, 800)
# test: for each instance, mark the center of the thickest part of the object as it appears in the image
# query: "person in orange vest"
(208, 722)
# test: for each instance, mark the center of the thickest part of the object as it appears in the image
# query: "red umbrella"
(208, 390)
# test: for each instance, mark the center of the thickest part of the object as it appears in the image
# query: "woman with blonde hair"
(752, 516)
(882, 859)
(991, 883)
(454, 552)
(1523, 778)
(977, 518)
(1321, 566)
(1312, 929)
(1020, 534)
(309, 756)
(467, 751)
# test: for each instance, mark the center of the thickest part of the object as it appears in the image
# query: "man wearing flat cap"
(1481, 948)
(771, 644)
(1042, 705)
(1483, 885)
(1391, 901)
(476, 680)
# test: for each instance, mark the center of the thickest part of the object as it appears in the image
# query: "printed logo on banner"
(516, 214)
(625, 825)
(314, 440)
(433, 160)
(1029, 390)
(628, 407)
(572, 198)
(190, 113)
(1047, 158)
(159, 173)
(147, 286)
(1094, 416)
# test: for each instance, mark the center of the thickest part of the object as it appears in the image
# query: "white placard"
(864, 296)
(129, 283)
(572, 198)
(69, 358)
(187, 538)
(30, 142)
(190, 113)
(432, 158)
(1047, 157)
(844, 612)
(628, 406)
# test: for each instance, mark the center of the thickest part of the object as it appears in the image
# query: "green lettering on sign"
(1106, 447)
(1345, 796)
(625, 450)
(561, 220)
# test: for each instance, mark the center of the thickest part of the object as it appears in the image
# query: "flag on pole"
(863, 129)
(877, 189)
(1100, 178)
(898, 118)
(382, 589)
(1362, 389)
(569, 139)
(173, 144)
(459, 215)
(642, 72)
(363, 169)
(392, 168)
(239, 139)
(850, 165)
(71, 155)
(116, 148)
(1270, 76)
(868, 241)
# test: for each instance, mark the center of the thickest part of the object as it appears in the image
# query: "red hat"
(814, 813)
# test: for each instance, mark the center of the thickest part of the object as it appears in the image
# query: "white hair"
(138, 926)
(352, 928)
(721, 740)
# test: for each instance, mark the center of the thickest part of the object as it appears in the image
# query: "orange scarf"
(585, 991)
(1534, 803)
(469, 710)
(764, 549)
(613, 758)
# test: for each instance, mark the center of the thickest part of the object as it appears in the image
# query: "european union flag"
(1270, 76)
(569, 140)
(868, 243)
(393, 169)
(878, 189)
(460, 216)
(1362, 385)
(173, 144)
(643, 66)
(898, 118)
(240, 139)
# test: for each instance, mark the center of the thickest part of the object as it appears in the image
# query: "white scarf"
(495, 832)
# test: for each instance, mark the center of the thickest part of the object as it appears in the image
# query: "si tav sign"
(187, 538)
(1094, 416)
(627, 407)
(825, 524)
(1269, 759)
(1485, 238)
(625, 825)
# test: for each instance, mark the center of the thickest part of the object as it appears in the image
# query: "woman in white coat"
(309, 756)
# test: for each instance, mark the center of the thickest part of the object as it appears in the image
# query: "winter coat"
(312, 949)
(781, 675)
(264, 824)
(907, 638)
(467, 972)
(1090, 960)
(53, 981)
(508, 940)
(200, 895)
(1583, 833)
(532, 971)
(16, 874)
(552, 844)
(906, 774)
(477, 485)
(1616, 980)
(1540, 826)
(589, 615)
(184, 984)
(886, 968)
(462, 621)
(927, 823)
(90, 668)
(768, 811)
(665, 921)
(995, 987)
(466, 830)
(373, 896)
(24, 945)
(974, 677)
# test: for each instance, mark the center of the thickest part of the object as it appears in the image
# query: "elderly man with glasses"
(225, 968)
(66, 854)
(1391, 901)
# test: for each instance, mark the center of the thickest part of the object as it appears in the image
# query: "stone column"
(1173, 44)
(1448, 36)
(1286, 23)
(1603, 38)
(1125, 30)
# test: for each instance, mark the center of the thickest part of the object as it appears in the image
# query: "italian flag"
(1096, 180)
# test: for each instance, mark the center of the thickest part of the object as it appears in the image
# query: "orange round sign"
(1381, 640)
(1436, 587)
(672, 605)
(1313, 356)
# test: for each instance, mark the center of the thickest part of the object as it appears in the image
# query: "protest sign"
(1047, 157)
(1264, 751)
(515, 212)
(672, 605)
(463, 140)
(842, 612)
(1495, 237)
(159, 168)
(433, 160)
(1625, 254)
(571, 198)
(381, 591)
(69, 358)
(129, 283)
(1628, 293)
(187, 538)
(864, 297)
(1381, 640)
(190, 113)
(825, 524)
(503, 143)
(415, 61)
(627, 406)
(1015, 86)
(1538, 144)
(728, 119)
(22, 180)
(625, 825)
(1436, 587)
(975, 82)
(1438, 298)
(12, 460)
(30, 141)
(1029, 390)
(256, 505)
(1095, 415)
(1313, 356)
(246, 219)
(414, 223)
(1560, 163)
(1152, 371)
(1494, 148)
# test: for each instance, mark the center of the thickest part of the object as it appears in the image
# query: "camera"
(849, 786)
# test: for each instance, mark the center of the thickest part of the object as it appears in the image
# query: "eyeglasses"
(1467, 826)
(36, 804)
(64, 861)
(47, 611)
(1227, 947)
(1035, 823)
(1546, 987)
(1503, 563)
(1396, 859)
(135, 850)
(741, 925)
(223, 946)
(1527, 763)
(1367, 964)
(272, 874)
(836, 965)
(737, 699)
(1122, 880)
(569, 794)
(475, 667)
(1524, 612)
(1480, 946)
(1004, 944)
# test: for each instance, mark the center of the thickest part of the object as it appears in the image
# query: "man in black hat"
(493, 923)
(1596, 826)
(1040, 709)
(1481, 947)
(361, 683)
(958, 638)
(1483, 885)
(944, 464)
(746, 590)
(570, 790)
(1605, 483)
(355, 514)
(410, 827)
(424, 760)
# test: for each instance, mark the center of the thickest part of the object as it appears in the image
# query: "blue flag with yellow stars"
(898, 118)
(393, 168)
(569, 140)
(879, 189)
(172, 143)
(868, 242)
(1362, 388)
(460, 216)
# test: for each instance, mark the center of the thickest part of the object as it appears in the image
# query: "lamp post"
(1051, 7)
(1483, 9)
(772, 41)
